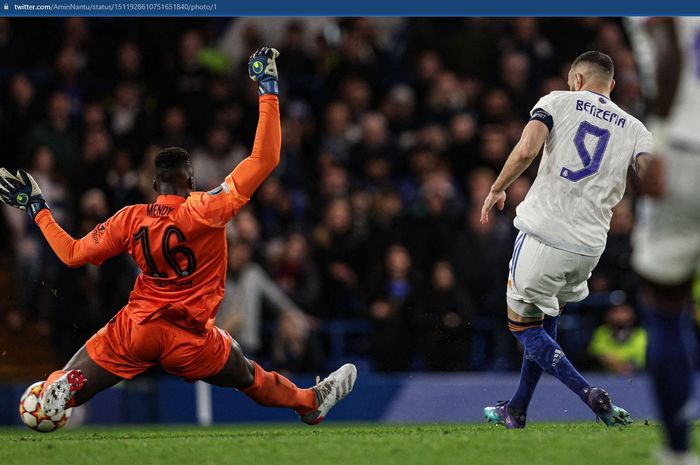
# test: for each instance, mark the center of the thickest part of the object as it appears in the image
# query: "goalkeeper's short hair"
(170, 161)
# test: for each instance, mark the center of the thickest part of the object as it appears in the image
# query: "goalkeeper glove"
(21, 191)
(263, 70)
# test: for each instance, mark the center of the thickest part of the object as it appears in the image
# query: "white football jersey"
(583, 172)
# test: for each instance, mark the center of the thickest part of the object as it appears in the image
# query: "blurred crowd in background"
(366, 241)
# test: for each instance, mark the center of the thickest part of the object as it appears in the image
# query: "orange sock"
(274, 390)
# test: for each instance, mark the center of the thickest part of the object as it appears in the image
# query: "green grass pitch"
(335, 444)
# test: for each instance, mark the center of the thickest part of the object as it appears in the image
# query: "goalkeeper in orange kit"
(179, 243)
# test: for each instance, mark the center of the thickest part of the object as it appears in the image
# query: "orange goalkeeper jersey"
(179, 243)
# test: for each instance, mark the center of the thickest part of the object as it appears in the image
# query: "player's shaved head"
(173, 171)
(597, 63)
(594, 71)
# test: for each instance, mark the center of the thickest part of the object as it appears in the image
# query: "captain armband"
(538, 114)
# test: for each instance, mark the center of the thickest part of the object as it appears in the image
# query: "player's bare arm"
(645, 162)
(669, 61)
(522, 156)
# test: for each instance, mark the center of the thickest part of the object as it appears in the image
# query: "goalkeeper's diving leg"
(75, 384)
(271, 389)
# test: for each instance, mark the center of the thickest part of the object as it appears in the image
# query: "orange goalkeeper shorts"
(127, 349)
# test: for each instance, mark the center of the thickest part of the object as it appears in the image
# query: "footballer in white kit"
(666, 240)
(590, 144)
(565, 217)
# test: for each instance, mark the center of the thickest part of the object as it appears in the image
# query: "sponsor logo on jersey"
(558, 354)
(97, 232)
(163, 283)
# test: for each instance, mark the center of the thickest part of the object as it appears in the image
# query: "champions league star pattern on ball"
(33, 416)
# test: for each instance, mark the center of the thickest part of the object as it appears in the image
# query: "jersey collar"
(597, 93)
(170, 199)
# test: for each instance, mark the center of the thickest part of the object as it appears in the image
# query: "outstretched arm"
(265, 156)
(215, 208)
(251, 172)
(524, 152)
(21, 191)
(97, 246)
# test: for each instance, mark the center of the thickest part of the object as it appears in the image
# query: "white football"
(31, 414)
